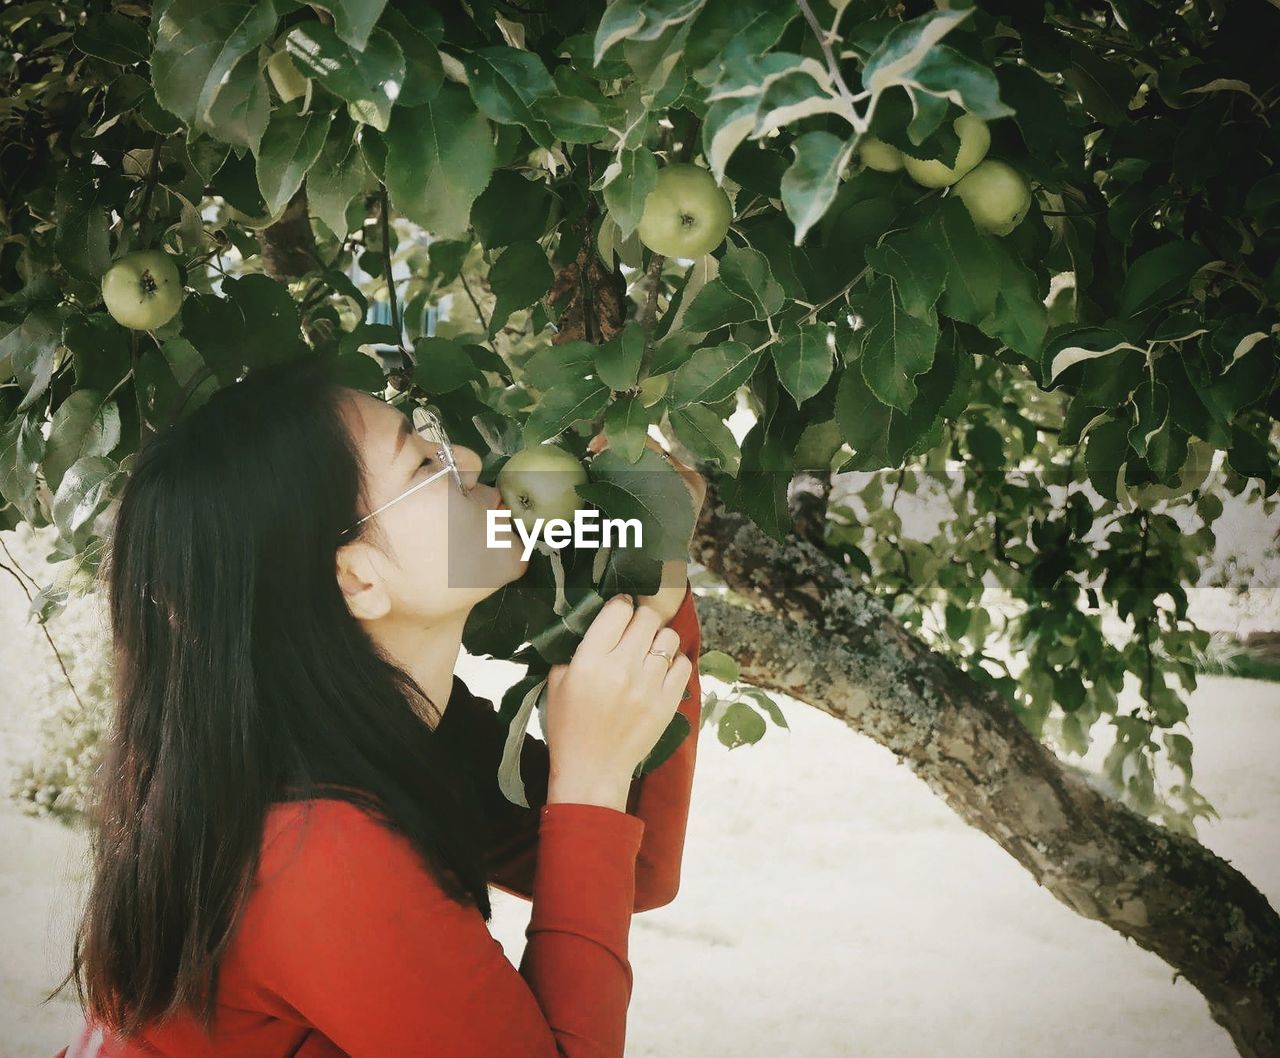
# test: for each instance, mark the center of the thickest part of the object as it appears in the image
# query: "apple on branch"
(539, 483)
(996, 196)
(687, 214)
(878, 155)
(142, 290)
(975, 139)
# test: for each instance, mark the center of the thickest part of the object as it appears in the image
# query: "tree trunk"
(813, 633)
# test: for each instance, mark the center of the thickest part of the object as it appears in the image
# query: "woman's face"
(436, 561)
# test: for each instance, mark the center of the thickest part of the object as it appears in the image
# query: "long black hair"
(242, 679)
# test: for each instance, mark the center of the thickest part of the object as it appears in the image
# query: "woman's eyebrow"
(405, 430)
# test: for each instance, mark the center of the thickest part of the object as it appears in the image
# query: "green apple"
(539, 482)
(687, 214)
(996, 196)
(142, 290)
(975, 138)
(654, 388)
(290, 82)
(878, 155)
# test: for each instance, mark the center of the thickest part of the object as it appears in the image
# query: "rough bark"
(813, 633)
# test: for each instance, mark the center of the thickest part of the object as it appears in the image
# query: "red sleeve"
(660, 797)
(349, 929)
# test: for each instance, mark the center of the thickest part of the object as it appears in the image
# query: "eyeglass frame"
(424, 419)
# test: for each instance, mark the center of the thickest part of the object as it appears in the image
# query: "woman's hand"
(607, 708)
(675, 572)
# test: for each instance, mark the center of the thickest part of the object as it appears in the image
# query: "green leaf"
(205, 66)
(719, 666)
(1042, 116)
(1019, 318)
(506, 84)
(440, 156)
(337, 177)
(1078, 344)
(289, 149)
(254, 325)
(83, 243)
(1160, 275)
(744, 285)
(649, 489)
(512, 208)
(711, 375)
(728, 30)
(880, 435)
(114, 38)
(803, 358)
(896, 346)
(423, 70)
(83, 425)
(626, 425)
(810, 183)
(1105, 87)
(31, 349)
(99, 350)
(22, 447)
(714, 306)
(910, 57)
(742, 104)
(728, 122)
(740, 725)
(704, 433)
(973, 269)
(271, 329)
(795, 95)
(618, 360)
(368, 80)
(572, 118)
(354, 19)
(919, 272)
(1104, 456)
(636, 175)
(87, 488)
(639, 20)
(767, 704)
(519, 277)
(442, 365)
(561, 407)
(555, 365)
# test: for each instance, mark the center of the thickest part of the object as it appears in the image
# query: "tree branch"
(813, 633)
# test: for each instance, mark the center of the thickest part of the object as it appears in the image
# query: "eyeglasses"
(427, 425)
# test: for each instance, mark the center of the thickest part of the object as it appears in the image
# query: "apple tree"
(1020, 256)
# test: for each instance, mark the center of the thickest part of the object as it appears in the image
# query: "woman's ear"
(361, 585)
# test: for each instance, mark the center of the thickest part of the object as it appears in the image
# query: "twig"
(474, 304)
(153, 173)
(854, 118)
(43, 628)
(654, 278)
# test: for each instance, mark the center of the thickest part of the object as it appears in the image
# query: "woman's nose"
(469, 463)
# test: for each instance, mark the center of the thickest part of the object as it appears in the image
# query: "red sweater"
(349, 947)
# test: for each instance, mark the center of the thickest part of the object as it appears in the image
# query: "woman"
(299, 813)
